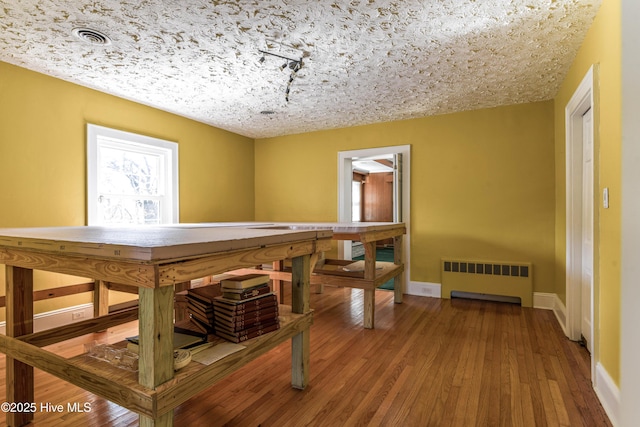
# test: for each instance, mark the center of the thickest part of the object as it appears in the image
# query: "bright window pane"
(126, 172)
(132, 179)
(355, 199)
(119, 210)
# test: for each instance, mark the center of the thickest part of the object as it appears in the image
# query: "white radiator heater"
(488, 279)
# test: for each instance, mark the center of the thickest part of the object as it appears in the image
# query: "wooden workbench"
(373, 275)
(153, 259)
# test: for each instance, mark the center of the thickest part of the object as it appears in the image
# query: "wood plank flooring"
(429, 362)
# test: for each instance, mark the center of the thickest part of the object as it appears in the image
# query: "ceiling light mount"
(277, 55)
(293, 64)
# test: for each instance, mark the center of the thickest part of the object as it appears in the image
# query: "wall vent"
(500, 269)
(91, 36)
(510, 279)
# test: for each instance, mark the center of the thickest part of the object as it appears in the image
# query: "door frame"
(344, 193)
(582, 99)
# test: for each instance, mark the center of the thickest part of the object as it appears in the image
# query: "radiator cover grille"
(513, 279)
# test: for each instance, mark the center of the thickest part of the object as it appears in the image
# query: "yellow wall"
(482, 184)
(43, 158)
(601, 46)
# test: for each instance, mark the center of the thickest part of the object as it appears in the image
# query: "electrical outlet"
(77, 315)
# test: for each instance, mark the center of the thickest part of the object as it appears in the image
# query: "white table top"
(151, 243)
(336, 227)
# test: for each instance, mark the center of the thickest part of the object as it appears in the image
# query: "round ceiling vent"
(91, 36)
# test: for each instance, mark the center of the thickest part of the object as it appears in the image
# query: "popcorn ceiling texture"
(364, 61)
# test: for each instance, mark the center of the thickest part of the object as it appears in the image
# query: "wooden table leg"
(19, 376)
(156, 344)
(100, 298)
(278, 285)
(398, 281)
(369, 274)
(300, 344)
(314, 260)
(180, 311)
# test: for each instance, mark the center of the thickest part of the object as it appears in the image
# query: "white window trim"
(94, 132)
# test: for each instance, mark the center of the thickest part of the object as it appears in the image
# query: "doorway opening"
(374, 187)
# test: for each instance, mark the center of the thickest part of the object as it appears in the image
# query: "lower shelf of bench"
(121, 386)
(332, 273)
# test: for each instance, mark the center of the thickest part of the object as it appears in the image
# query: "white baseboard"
(561, 314)
(549, 301)
(608, 393)
(55, 318)
(424, 289)
(544, 300)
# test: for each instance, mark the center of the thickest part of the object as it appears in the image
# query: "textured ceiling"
(363, 61)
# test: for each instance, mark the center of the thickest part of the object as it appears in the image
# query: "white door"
(587, 230)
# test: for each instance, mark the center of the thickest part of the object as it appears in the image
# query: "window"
(131, 179)
(356, 199)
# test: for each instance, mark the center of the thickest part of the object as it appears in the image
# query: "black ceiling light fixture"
(293, 64)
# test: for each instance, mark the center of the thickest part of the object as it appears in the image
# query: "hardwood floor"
(429, 362)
